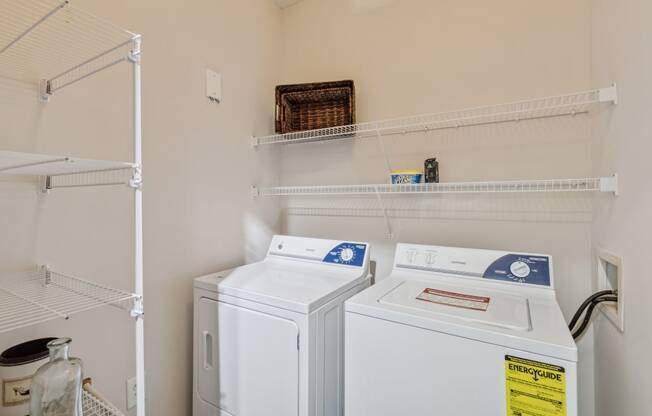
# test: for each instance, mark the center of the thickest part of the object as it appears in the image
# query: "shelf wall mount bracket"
(44, 90)
(137, 311)
(609, 184)
(46, 184)
(255, 192)
(136, 181)
(135, 53)
(609, 94)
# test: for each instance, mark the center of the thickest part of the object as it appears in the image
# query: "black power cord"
(586, 303)
(589, 305)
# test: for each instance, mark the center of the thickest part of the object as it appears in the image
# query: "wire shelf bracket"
(536, 109)
(601, 184)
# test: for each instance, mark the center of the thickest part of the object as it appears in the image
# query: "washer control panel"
(520, 268)
(532, 269)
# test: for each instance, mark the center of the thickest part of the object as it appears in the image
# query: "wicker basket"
(301, 107)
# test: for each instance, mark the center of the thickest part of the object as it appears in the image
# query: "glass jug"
(56, 386)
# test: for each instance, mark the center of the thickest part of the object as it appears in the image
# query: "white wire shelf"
(94, 404)
(65, 171)
(541, 108)
(53, 43)
(604, 184)
(32, 298)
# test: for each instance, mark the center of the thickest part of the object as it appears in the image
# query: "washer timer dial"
(347, 254)
(520, 269)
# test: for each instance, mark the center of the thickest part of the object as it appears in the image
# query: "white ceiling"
(285, 3)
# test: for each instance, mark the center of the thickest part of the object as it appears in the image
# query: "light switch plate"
(610, 277)
(214, 86)
(132, 393)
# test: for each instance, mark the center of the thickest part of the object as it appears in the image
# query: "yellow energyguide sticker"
(534, 388)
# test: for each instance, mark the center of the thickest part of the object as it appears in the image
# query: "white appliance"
(465, 332)
(269, 335)
(205, 375)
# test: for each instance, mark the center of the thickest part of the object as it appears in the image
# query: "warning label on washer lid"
(534, 388)
(458, 300)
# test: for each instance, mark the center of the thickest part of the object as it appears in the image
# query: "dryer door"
(206, 339)
(258, 363)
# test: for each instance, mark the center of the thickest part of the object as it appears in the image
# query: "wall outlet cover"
(214, 86)
(132, 393)
(611, 277)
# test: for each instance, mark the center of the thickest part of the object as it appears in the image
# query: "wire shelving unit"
(540, 108)
(604, 184)
(53, 44)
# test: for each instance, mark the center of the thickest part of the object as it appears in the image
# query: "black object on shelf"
(25, 353)
(431, 171)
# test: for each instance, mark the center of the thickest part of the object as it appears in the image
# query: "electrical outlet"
(610, 277)
(132, 393)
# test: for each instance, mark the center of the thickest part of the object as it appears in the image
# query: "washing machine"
(464, 332)
(269, 335)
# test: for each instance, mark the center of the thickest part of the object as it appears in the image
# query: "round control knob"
(346, 254)
(520, 269)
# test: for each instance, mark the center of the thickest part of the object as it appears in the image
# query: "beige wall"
(198, 167)
(621, 37)
(407, 57)
(418, 56)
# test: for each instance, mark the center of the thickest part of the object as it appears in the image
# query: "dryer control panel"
(531, 269)
(322, 251)
(352, 254)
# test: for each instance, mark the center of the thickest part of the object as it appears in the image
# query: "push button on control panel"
(411, 256)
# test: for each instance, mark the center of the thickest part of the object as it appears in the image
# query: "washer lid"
(521, 320)
(467, 304)
(290, 284)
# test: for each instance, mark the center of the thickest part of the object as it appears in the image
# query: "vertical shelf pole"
(138, 225)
